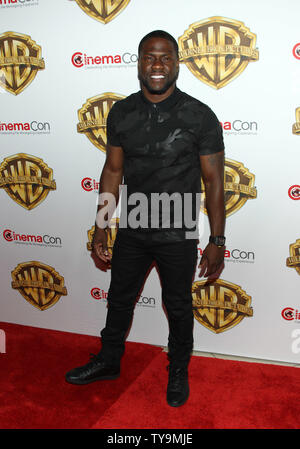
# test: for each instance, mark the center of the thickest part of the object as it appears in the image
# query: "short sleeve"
(211, 135)
(111, 128)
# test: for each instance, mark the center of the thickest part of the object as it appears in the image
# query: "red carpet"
(34, 394)
(224, 394)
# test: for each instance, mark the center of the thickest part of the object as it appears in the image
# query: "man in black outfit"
(160, 140)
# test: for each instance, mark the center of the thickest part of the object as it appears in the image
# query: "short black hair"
(162, 34)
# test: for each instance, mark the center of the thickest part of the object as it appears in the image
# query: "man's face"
(158, 66)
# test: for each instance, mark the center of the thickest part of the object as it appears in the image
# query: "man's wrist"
(218, 240)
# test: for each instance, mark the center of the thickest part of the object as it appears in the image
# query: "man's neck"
(157, 98)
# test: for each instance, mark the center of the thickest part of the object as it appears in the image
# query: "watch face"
(219, 241)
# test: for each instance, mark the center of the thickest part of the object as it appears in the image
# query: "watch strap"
(218, 240)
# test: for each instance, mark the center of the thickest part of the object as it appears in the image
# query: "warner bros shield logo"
(26, 179)
(296, 125)
(20, 61)
(92, 118)
(111, 233)
(220, 305)
(102, 10)
(38, 283)
(217, 50)
(294, 260)
(238, 186)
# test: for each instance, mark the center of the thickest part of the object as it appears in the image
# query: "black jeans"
(132, 258)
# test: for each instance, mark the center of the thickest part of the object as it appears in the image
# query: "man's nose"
(157, 64)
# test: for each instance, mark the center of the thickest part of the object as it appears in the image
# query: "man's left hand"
(212, 261)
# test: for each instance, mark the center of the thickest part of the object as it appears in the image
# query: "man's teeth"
(157, 76)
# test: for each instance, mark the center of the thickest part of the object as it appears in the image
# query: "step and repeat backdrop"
(63, 64)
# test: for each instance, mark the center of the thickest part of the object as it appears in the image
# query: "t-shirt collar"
(164, 104)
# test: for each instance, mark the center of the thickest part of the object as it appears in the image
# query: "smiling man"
(158, 68)
(160, 142)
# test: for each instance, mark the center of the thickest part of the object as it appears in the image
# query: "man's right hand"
(99, 244)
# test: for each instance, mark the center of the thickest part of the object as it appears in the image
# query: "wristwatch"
(219, 240)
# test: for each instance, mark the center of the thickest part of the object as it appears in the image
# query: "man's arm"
(212, 168)
(110, 180)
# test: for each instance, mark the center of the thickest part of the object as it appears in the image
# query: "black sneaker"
(94, 370)
(178, 386)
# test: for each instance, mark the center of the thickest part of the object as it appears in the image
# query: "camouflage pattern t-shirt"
(162, 143)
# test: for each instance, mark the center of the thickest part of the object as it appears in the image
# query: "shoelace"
(94, 360)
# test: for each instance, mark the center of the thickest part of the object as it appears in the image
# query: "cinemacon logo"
(239, 126)
(12, 236)
(290, 314)
(89, 184)
(82, 59)
(294, 192)
(34, 126)
(98, 293)
(296, 50)
(17, 2)
(236, 255)
(144, 301)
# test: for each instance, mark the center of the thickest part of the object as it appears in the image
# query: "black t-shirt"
(162, 143)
